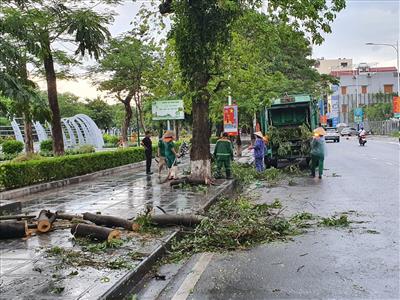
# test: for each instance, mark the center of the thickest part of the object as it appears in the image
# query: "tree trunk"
(140, 110)
(95, 232)
(127, 122)
(200, 163)
(28, 135)
(56, 130)
(176, 127)
(220, 128)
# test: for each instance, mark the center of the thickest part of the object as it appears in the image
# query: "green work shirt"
(223, 149)
(168, 150)
(161, 146)
(317, 147)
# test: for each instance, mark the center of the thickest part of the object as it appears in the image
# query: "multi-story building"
(326, 66)
(362, 86)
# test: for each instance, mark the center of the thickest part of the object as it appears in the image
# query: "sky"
(376, 21)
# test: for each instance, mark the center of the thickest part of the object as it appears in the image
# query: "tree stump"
(95, 232)
(13, 229)
(109, 221)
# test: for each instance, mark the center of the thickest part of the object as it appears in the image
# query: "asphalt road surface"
(361, 261)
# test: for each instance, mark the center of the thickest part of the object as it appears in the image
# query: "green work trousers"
(317, 161)
(226, 163)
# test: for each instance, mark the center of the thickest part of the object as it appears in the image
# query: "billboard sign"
(231, 120)
(358, 115)
(168, 110)
(396, 107)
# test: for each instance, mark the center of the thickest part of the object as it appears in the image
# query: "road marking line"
(373, 157)
(191, 279)
(388, 163)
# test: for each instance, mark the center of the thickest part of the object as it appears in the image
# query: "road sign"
(396, 107)
(168, 110)
(231, 121)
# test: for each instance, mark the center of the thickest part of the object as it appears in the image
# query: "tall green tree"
(39, 25)
(202, 30)
(101, 112)
(127, 64)
(21, 97)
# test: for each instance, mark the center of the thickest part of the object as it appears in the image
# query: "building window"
(344, 90)
(388, 88)
(363, 89)
(344, 64)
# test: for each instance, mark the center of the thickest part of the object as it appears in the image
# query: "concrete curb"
(121, 289)
(127, 283)
(28, 190)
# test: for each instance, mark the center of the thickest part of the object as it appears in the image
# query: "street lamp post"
(396, 48)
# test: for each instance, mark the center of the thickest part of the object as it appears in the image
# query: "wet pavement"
(29, 272)
(361, 261)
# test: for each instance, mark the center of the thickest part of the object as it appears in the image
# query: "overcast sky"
(362, 21)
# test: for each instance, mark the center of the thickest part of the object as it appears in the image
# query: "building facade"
(362, 86)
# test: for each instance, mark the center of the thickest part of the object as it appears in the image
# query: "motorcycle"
(362, 140)
(184, 149)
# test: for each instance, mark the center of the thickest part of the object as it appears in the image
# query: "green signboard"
(168, 110)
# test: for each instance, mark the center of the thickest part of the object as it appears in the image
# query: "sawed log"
(173, 220)
(110, 221)
(43, 222)
(95, 232)
(16, 217)
(69, 217)
(13, 229)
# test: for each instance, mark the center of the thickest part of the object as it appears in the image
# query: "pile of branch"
(93, 226)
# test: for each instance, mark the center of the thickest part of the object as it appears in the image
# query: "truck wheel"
(274, 162)
(267, 162)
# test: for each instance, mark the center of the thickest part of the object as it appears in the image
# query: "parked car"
(349, 131)
(332, 134)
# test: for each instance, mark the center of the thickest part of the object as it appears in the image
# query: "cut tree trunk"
(200, 163)
(109, 221)
(28, 135)
(63, 216)
(44, 222)
(51, 79)
(176, 220)
(17, 217)
(13, 229)
(95, 232)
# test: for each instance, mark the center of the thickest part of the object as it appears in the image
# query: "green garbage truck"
(288, 124)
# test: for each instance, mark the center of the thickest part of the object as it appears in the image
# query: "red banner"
(396, 107)
(231, 121)
(323, 119)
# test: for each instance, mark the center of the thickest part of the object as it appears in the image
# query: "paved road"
(324, 263)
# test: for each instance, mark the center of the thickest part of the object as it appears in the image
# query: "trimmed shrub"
(13, 147)
(110, 139)
(46, 146)
(81, 150)
(19, 174)
(27, 157)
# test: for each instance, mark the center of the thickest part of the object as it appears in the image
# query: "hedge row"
(19, 174)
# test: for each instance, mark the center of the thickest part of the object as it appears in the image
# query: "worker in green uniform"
(317, 154)
(170, 154)
(223, 153)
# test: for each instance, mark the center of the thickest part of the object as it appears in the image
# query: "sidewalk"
(29, 272)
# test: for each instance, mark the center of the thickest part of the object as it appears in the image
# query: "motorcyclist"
(361, 135)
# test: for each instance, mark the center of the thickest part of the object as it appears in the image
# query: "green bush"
(26, 157)
(19, 174)
(13, 147)
(46, 146)
(110, 139)
(5, 139)
(80, 150)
